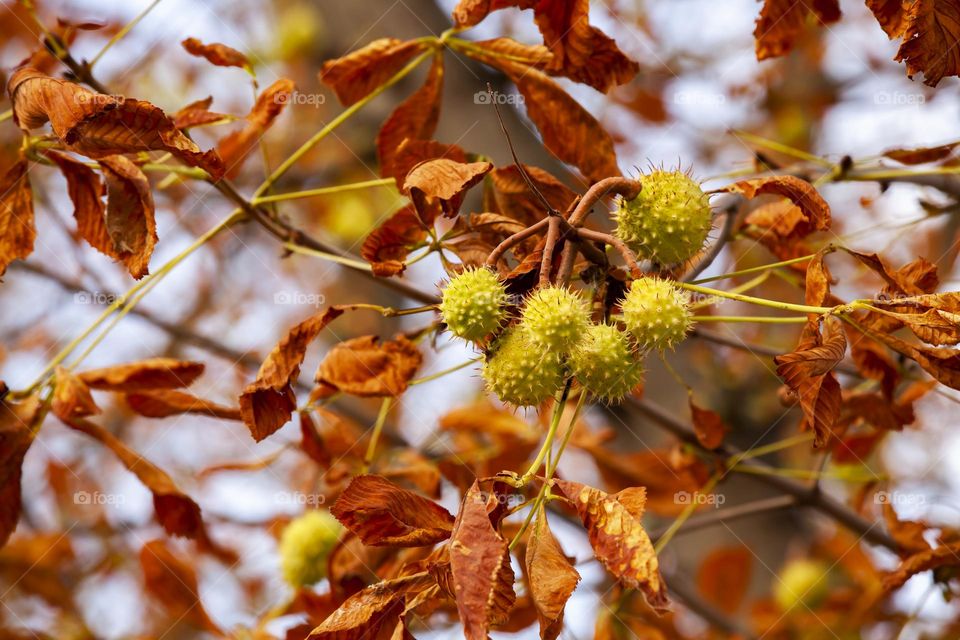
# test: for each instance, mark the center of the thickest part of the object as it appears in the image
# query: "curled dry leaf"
(921, 155)
(376, 607)
(17, 231)
(367, 367)
(197, 114)
(618, 538)
(931, 29)
(552, 576)
(781, 23)
(707, 425)
(443, 181)
(96, 125)
(890, 15)
(481, 575)
(172, 582)
(414, 119)
(16, 436)
(943, 556)
(814, 209)
(129, 220)
(235, 147)
(71, 397)
(388, 245)
(153, 373)
(577, 50)
(940, 362)
(356, 74)
(267, 403)
(382, 514)
(161, 403)
(808, 371)
(215, 53)
(178, 514)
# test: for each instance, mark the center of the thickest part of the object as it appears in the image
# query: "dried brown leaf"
(162, 403)
(619, 540)
(443, 181)
(172, 581)
(707, 425)
(930, 35)
(356, 74)
(388, 245)
(17, 231)
(724, 576)
(551, 575)
(129, 221)
(382, 514)
(235, 147)
(215, 53)
(16, 436)
(143, 375)
(367, 367)
(267, 403)
(782, 21)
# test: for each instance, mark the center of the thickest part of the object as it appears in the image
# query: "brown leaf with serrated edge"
(129, 220)
(552, 577)
(578, 50)
(443, 181)
(152, 373)
(817, 280)
(382, 514)
(161, 403)
(707, 425)
(724, 576)
(890, 15)
(172, 581)
(940, 362)
(356, 74)
(531, 55)
(872, 360)
(388, 245)
(235, 147)
(943, 556)
(178, 513)
(412, 152)
(17, 231)
(267, 403)
(921, 155)
(215, 53)
(815, 210)
(86, 191)
(376, 607)
(197, 114)
(480, 565)
(568, 130)
(414, 119)
(618, 539)
(96, 125)
(367, 367)
(782, 21)
(808, 371)
(71, 397)
(930, 36)
(16, 436)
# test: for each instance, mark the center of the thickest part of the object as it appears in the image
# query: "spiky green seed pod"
(604, 363)
(474, 304)
(305, 546)
(668, 221)
(555, 318)
(520, 373)
(657, 312)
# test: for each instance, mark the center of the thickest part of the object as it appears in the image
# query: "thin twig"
(619, 185)
(617, 244)
(515, 239)
(549, 247)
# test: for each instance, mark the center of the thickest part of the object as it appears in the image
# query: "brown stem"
(550, 245)
(755, 507)
(617, 244)
(623, 186)
(515, 239)
(726, 233)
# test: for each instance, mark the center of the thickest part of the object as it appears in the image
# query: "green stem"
(347, 262)
(551, 434)
(782, 148)
(336, 122)
(808, 474)
(440, 374)
(377, 430)
(119, 35)
(6, 115)
(684, 515)
(763, 302)
(310, 193)
(760, 319)
(773, 447)
(766, 267)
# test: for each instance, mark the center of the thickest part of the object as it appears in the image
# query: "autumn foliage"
(574, 294)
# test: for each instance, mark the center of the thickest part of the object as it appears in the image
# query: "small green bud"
(520, 373)
(305, 546)
(669, 219)
(554, 318)
(604, 363)
(474, 304)
(657, 312)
